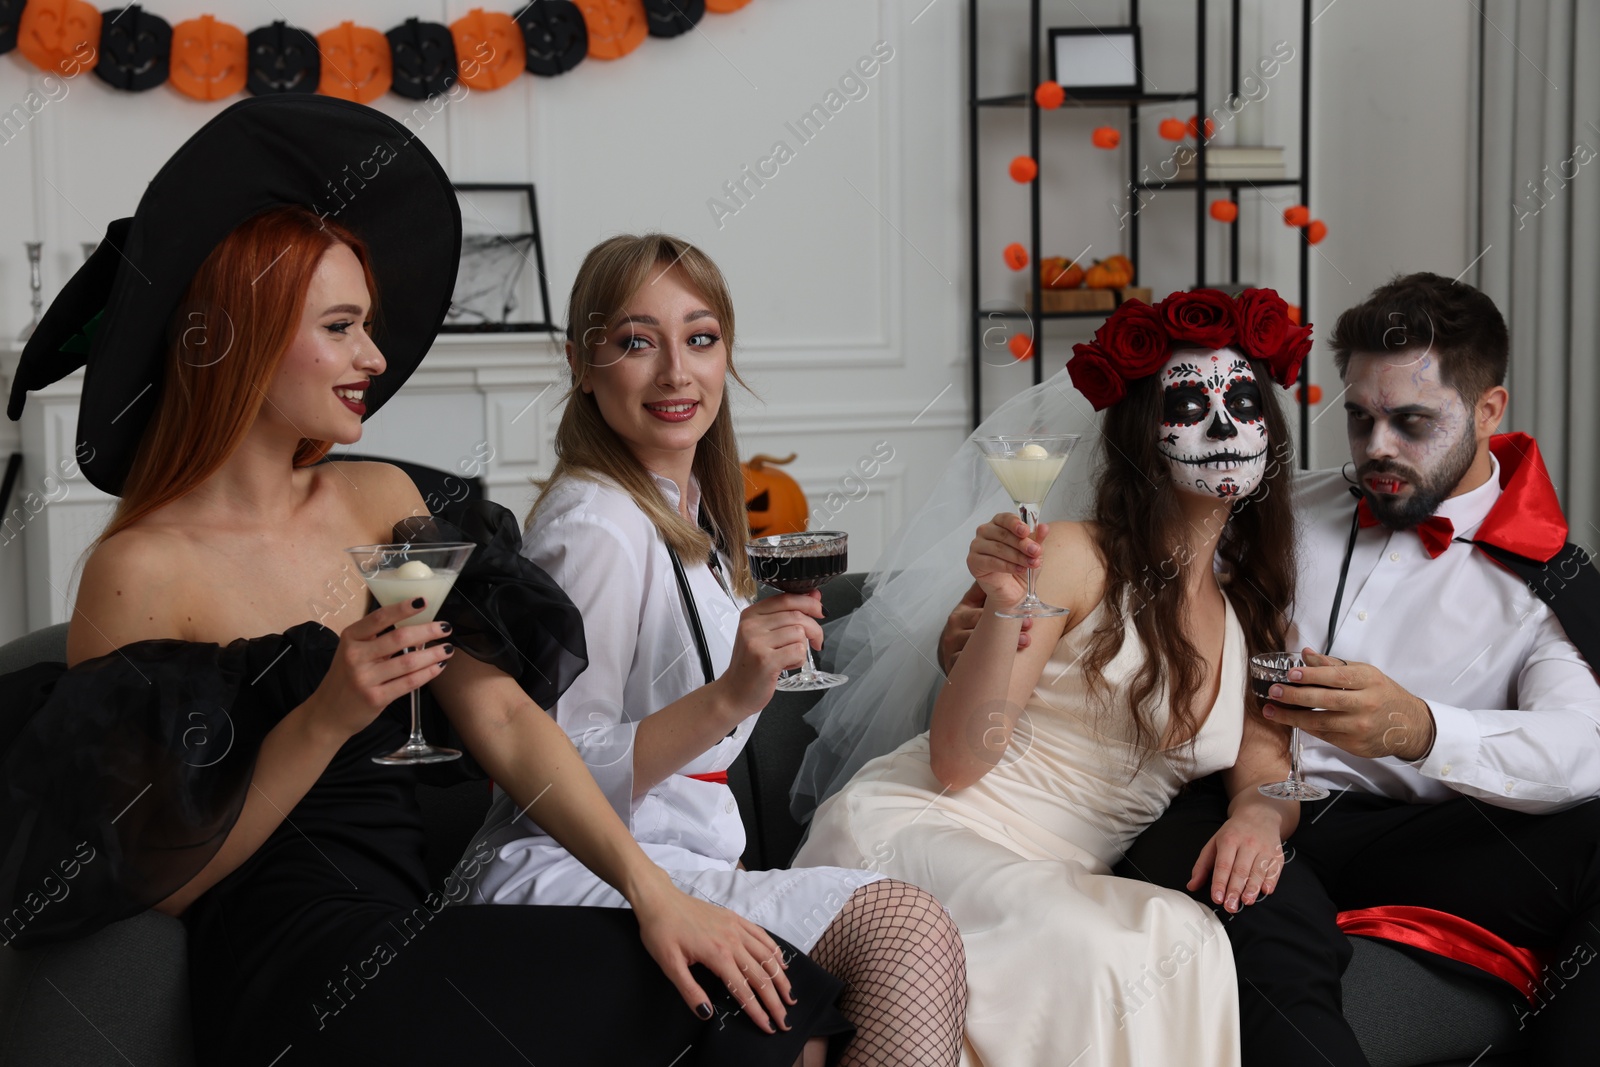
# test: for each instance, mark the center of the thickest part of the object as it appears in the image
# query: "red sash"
(1449, 936)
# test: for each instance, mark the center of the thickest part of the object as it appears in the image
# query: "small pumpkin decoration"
(1015, 255)
(490, 51)
(774, 501)
(423, 57)
(1224, 210)
(356, 63)
(1021, 346)
(1049, 95)
(1113, 272)
(556, 36)
(1194, 127)
(134, 49)
(283, 59)
(1316, 230)
(59, 36)
(1058, 272)
(1172, 130)
(670, 18)
(1023, 169)
(10, 21)
(1298, 215)
(1107, 137)
(210, 59)
(616, 27)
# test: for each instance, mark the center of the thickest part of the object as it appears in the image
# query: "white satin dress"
(1066, 963)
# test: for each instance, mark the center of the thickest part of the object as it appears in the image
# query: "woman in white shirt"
(642, 524)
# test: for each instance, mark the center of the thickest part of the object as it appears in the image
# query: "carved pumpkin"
(490, 51)
(60, 36)
(134, 48)
(355, 63)
(557, 38)
(210, 59)
(670, 18)
(283, 59)
(10, 21)
(616, 27)
(773, 500)
(423, 58)
(724, 7)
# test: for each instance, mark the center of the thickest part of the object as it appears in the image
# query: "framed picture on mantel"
(501, 286)
(1097, 61)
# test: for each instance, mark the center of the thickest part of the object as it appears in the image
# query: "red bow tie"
(1436, 531)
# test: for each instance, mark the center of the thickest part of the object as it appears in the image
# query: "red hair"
(224, 344)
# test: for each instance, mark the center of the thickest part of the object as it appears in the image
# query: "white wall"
(848, 267)
(845, 267)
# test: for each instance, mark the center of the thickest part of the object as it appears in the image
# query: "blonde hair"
(586, 446)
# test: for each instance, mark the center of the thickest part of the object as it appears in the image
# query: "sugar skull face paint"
(1213, 430)
(1412, 438)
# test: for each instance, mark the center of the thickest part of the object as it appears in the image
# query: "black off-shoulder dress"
(120, 778)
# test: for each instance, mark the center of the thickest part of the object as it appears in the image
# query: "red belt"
(719, 777)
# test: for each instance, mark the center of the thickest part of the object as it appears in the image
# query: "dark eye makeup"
(1183, 405)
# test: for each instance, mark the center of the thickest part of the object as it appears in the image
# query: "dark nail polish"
(445, 627)
(449, 650)
(419, 602)
(704, 1011)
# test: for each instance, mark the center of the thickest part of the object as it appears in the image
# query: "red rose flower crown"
(1138, 338)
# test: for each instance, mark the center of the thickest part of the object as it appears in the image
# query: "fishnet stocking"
(905, 976)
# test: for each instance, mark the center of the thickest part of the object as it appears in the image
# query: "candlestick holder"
(36, 283)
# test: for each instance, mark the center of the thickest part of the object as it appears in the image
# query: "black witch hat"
(341, 160)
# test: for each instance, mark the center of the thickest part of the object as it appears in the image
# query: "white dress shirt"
(597, 544)
(1516, 706)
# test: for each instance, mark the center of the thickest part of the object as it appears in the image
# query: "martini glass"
(1028, 465)
(1267, 670)
(799, 563)
(404, 572)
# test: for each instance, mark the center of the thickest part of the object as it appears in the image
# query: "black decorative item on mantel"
(283, 59)
(501, 286)
(556, 35)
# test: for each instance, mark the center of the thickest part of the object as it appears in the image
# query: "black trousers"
(1532, 879)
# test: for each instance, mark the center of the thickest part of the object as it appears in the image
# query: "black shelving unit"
(1132, 105)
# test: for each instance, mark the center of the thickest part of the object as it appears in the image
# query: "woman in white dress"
(1043, 762)
(643, 525)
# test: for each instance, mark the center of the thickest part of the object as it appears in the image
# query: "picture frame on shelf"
(1097, 61)
(501, 285)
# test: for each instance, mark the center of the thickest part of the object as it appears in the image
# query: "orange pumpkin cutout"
(772, 499)
(490, 50)
(616, 27)
(210, 59)
(725, 7)
(356, 64)
(60, 36)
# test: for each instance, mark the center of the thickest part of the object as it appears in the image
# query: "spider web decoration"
(486, 293)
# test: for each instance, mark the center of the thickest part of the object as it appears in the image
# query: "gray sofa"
(120, 996)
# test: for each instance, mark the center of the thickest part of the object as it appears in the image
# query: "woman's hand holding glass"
(678, 930)
(772, 637)
(367, 675)
(1003, 553)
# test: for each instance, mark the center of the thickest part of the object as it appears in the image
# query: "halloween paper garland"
(132, 49)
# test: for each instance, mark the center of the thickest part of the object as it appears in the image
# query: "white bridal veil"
(888, 646)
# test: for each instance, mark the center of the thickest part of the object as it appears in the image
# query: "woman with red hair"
(209, 749)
